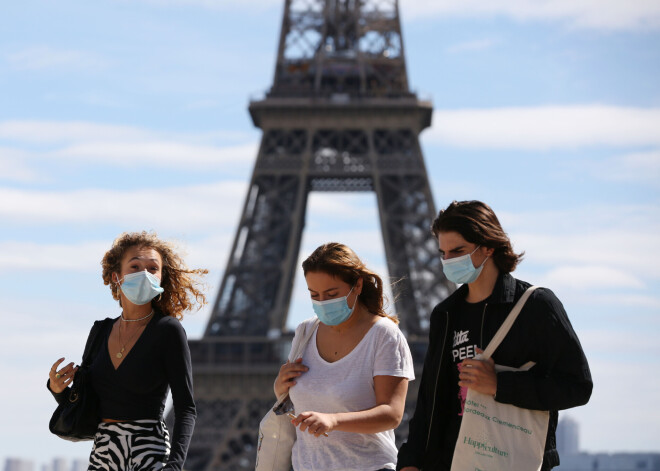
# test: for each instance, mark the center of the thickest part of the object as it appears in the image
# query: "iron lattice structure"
(339, 117)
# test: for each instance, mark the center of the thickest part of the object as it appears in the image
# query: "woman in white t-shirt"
(349, 388)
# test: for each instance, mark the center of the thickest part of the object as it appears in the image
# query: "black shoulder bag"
(77, 416)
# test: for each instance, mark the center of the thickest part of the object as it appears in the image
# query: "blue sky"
(118, 115)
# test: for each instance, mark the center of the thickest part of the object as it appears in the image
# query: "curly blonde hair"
(181, 284)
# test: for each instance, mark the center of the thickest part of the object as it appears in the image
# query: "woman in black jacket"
(477, 253)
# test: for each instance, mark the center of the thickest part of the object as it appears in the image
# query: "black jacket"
(542, 333)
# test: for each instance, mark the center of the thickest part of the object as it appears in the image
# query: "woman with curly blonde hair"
(144, 353)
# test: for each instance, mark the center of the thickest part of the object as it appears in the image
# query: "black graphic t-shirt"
(463, 341)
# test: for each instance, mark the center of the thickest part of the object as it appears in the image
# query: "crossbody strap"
(297, 348)
(96, 339)
(506, 325)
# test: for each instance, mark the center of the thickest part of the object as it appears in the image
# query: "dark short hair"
(477, 223)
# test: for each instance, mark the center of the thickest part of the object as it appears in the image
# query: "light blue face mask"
(333, 311)
(461, 269)
(141, 287)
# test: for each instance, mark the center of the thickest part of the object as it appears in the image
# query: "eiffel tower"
(339, 117)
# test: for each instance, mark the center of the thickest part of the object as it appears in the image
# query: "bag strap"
(296, 350)
(94, 341)
(298, 347)
(506, 325)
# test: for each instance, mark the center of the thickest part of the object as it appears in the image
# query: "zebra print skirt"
(136, 445)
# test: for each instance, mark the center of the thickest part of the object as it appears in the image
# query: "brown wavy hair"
(340, 261)
(183, 290)
(476, 223)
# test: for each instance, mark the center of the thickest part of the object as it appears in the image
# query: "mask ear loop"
(356, 297)
(118, 285)
(485, 260)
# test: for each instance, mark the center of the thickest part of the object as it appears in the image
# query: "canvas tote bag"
(276, 432)
(495, 436)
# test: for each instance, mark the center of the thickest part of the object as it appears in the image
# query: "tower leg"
(256, 288)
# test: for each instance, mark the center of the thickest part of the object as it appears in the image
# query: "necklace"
(120, 353)
(136, 320)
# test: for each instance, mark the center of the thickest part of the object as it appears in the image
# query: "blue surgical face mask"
(461, 269)
(141, 287)
(333, 311)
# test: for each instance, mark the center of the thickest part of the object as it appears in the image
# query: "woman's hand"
(315, 423)
(478, 375)
(287, 375)
(60, 379)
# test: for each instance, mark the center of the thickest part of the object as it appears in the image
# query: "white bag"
(276, 432)
(496, 436)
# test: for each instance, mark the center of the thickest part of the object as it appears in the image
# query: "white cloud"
(84, 256)
(590, 277)
(583, 218)
(53, 132)
(591, 255)
(211, 252)
(618, 248)
(14, 168)
(104, 98)
(120, 145)
(340, 207)
(635, 167)
(612, 407)
(546, 127)
(159, 152)
(625, 256)
(29, 344)
(474, 45)
(630, 301)
(218, 4)
(196, 210)
(208, 207)
(46, 57)
(590, 14)
(35, 132)
(636, 344)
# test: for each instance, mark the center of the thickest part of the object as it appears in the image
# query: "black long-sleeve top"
(137, 389)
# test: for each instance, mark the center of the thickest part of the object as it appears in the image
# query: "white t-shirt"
(347, 385)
